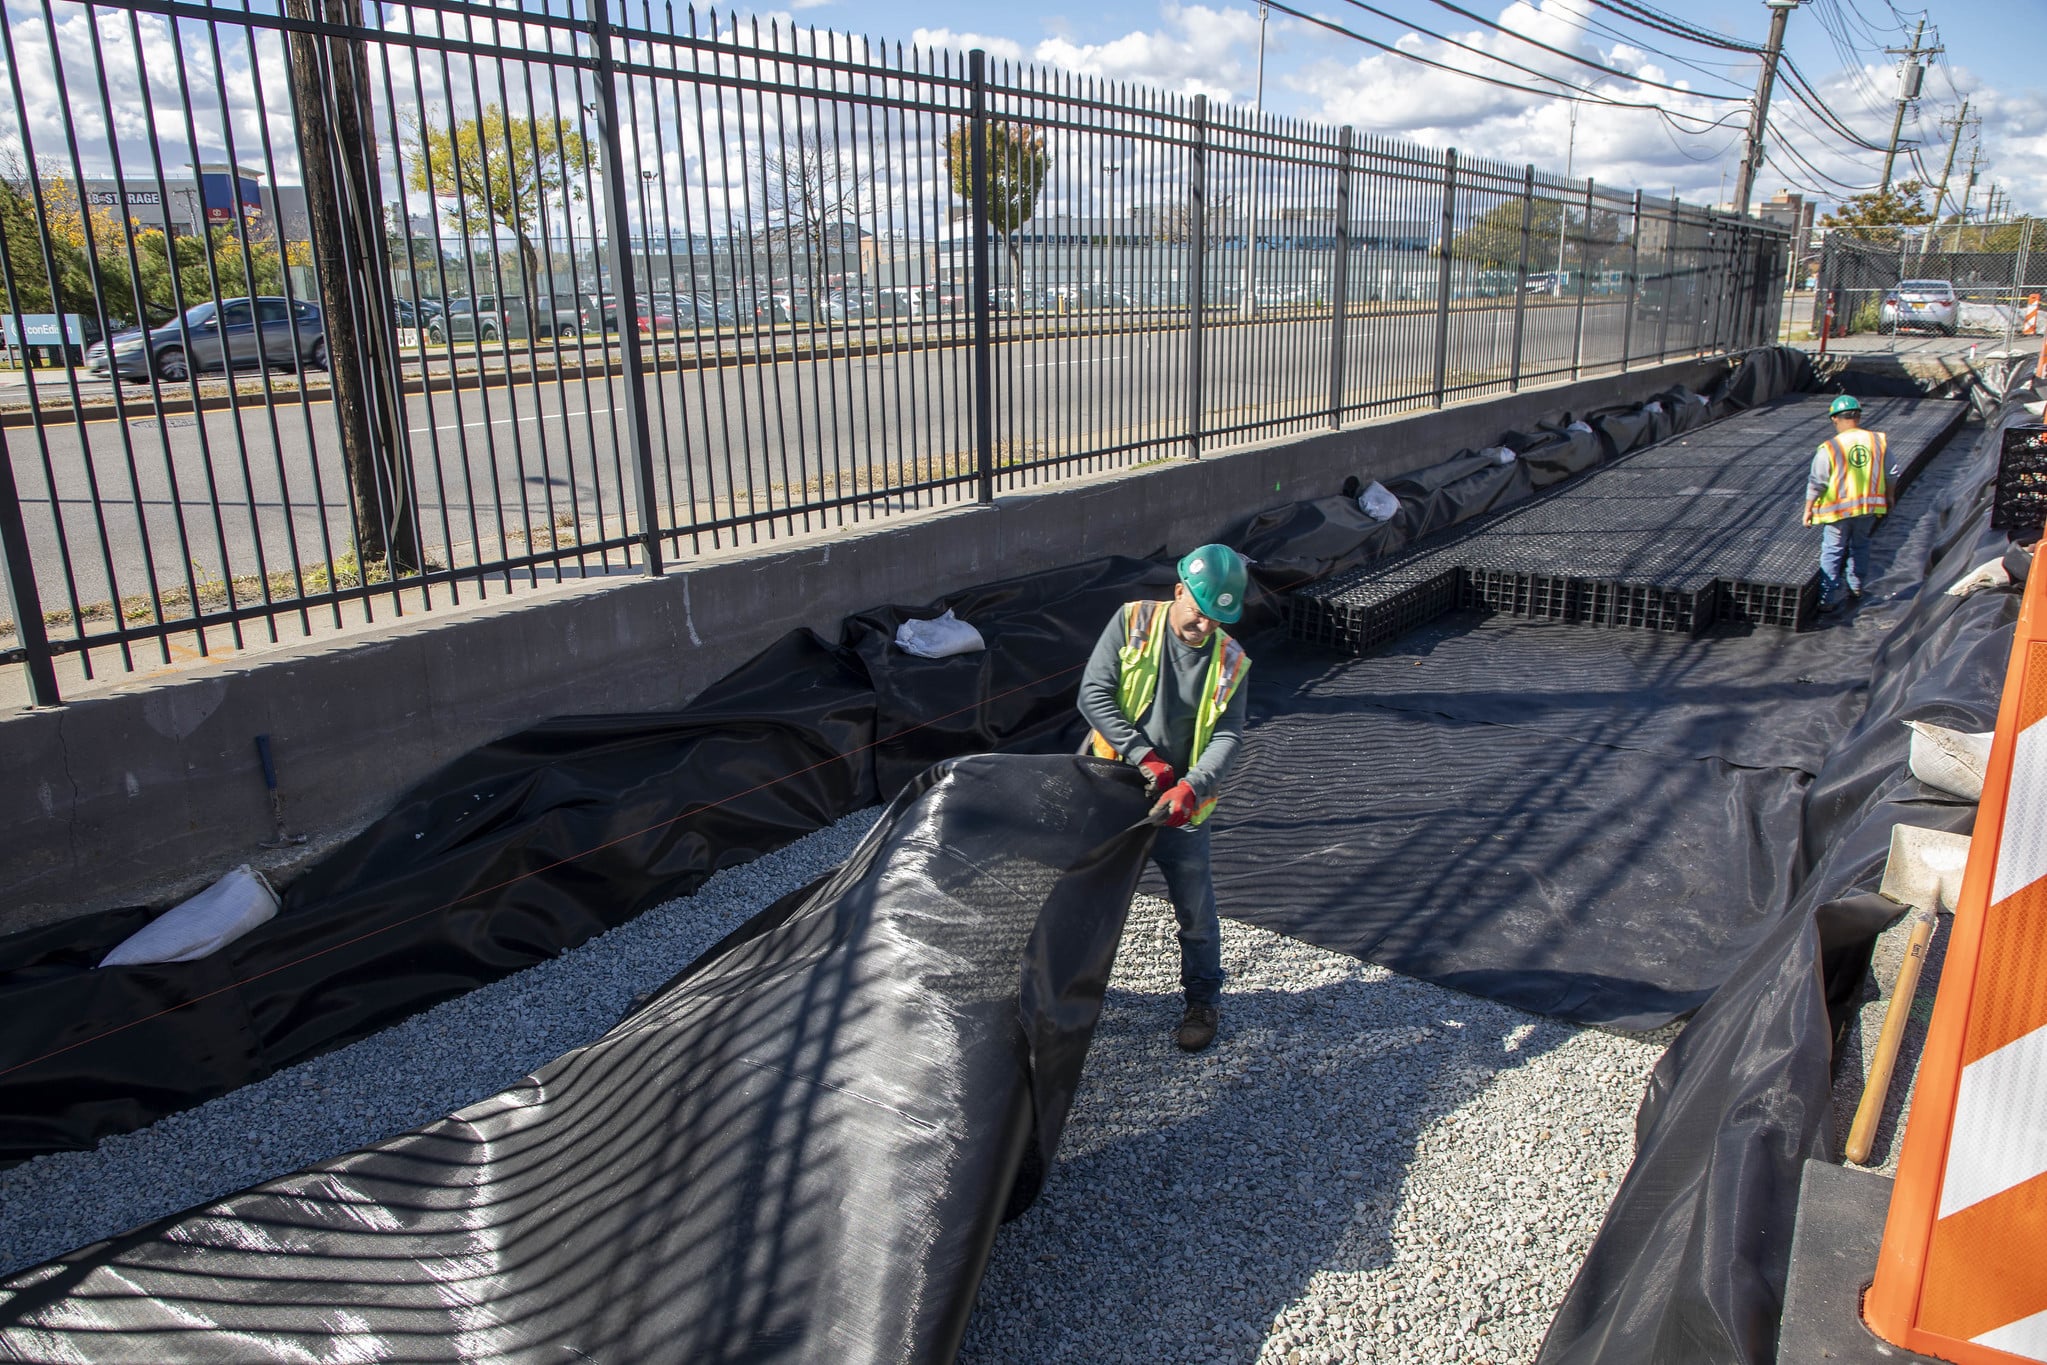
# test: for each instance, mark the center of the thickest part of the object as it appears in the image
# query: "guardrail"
(873, 280)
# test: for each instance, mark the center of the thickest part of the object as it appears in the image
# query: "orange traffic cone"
(2032, 318)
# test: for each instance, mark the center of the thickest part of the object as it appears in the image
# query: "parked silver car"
(244, 333)
(1920, 303)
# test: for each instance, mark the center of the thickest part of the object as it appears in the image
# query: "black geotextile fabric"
(1606, 850)
(799, 1150)
(532, 844)
(1592, 824)
(1691, 1261)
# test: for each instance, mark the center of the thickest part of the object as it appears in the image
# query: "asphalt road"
(114, 503)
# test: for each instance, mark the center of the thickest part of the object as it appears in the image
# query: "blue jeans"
(1182, 858)
(1844, 545)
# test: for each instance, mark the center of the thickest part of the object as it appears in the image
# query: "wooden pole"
(1862, 1133)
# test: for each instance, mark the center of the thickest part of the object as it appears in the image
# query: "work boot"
(1197, 1028)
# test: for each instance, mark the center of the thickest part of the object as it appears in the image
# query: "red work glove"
(1178, 804)
(1158, 775)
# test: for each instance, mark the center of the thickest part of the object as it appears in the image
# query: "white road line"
(507, 421)
(1078, 360)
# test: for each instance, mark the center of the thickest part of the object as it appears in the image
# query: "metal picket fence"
(317, 313)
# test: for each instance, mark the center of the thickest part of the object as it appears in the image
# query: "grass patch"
(213, 593)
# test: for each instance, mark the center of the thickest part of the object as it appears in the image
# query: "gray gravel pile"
(410, 1074)
(1364, 1167)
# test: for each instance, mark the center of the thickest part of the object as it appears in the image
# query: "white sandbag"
(1585, 427)
(1992, 574)
(1378, 502)
(205, 924)
(1653, 408)
(1499, 455)
(938, 639)
(1952, 760)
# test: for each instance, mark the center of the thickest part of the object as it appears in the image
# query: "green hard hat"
(1845, 403)
(1215, 575)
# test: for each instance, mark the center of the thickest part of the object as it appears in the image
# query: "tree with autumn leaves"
(499, 171)
(136, 271)
(1018, 165)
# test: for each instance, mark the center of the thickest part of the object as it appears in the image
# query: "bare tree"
(811, 189)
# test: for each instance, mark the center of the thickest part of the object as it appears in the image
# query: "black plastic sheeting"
(533, 844)
(1569, 876)
(1610, 833)
(1691, 1262)
(799, 1150)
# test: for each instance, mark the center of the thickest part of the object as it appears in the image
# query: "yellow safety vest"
(1856, 483)
(1142, 660)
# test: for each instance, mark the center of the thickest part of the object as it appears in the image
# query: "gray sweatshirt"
(1168, 727)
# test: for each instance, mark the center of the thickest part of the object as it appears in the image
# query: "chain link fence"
(1887, 280)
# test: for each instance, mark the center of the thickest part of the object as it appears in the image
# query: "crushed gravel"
(1364, 1167)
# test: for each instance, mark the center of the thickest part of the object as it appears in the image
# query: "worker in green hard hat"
(1846, 490)
(1164, 692)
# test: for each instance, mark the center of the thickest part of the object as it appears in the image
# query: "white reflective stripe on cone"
(2000, 1126)
(2022, 845)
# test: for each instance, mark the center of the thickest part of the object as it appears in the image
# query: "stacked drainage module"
(1704, 527)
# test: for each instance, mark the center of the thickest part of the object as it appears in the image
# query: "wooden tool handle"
(1862, 1134)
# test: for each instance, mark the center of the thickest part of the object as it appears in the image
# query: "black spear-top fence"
(319, 312)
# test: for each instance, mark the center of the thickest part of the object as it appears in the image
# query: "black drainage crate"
(2020, 503)
(1648, 606)
(1543, 597)
(1371, 614)
(1789, 606)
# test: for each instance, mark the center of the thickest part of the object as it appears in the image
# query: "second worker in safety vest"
(1847, 489)
(1164, 692)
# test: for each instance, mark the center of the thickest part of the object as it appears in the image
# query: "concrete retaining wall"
(141, 793)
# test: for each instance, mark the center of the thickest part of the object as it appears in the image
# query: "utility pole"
(1908, 90)
(1947, 167)
(1968, 188)
(1248, 306)
(331, 96)
(1752, 156)
(1556, 285)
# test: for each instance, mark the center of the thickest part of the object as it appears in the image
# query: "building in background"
(1795, 213)
(185, 202)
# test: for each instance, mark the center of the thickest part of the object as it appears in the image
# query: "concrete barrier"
(149, 790)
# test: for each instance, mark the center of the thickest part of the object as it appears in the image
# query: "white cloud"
(1198, 51)
(1005, 49)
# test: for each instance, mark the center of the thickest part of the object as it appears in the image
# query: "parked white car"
(1920, 303)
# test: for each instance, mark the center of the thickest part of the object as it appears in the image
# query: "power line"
(1569, 56)
(1585, 95)
(1636, 41)
(1785, 145)
(1508, 62)
(1850, 55)
(1810, 97)
(1671, 24)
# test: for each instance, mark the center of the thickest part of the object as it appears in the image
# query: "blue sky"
(1211, 46)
